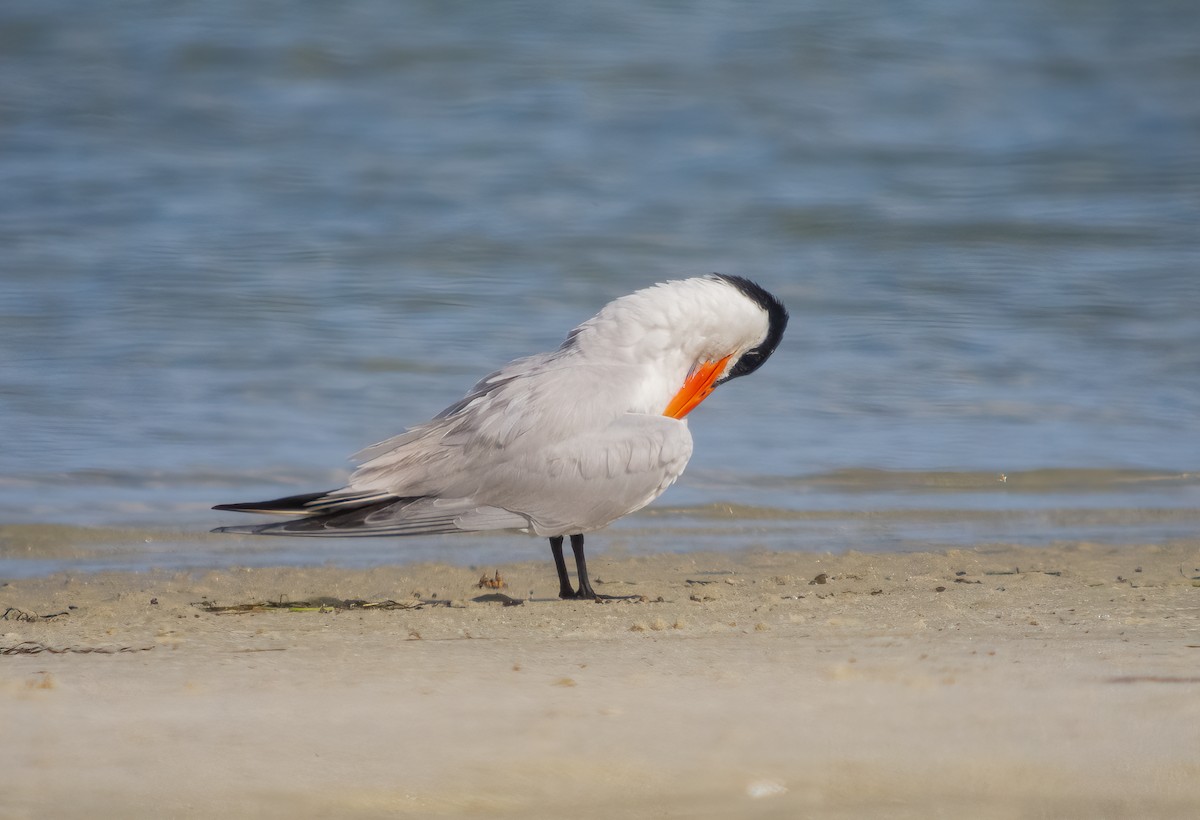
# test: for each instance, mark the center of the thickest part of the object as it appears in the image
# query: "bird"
(556, 444)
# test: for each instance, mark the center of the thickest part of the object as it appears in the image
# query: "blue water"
(239, 241)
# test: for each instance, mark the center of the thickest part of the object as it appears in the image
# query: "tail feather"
(383, 517)
(345, 513)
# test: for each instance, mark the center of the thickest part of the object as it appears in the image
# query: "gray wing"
(542, 446)
(514, 415)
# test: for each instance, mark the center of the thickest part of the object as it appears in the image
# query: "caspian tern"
(558, 444)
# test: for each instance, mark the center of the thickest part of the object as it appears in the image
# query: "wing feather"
(396, 516)
(520, 451)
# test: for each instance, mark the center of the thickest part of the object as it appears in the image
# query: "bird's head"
(739, 326)
(685, 337)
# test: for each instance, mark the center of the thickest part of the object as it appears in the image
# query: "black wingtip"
(288, 505)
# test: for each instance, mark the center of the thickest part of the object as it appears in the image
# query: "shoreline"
(990, 682)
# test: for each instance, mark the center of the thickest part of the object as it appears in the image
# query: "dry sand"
(989, 683)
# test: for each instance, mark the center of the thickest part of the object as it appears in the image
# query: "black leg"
(585, 586)
(564, 582)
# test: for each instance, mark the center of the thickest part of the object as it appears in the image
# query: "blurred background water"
(240, 240)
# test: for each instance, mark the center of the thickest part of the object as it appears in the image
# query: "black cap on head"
(777, 319)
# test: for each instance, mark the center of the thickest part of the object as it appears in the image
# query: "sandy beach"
(995, 682)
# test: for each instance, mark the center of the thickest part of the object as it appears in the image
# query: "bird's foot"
(568, 594)
(591, 595)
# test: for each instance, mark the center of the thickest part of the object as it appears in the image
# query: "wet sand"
(991, 683)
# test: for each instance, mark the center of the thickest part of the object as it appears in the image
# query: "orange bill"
(696, 388)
